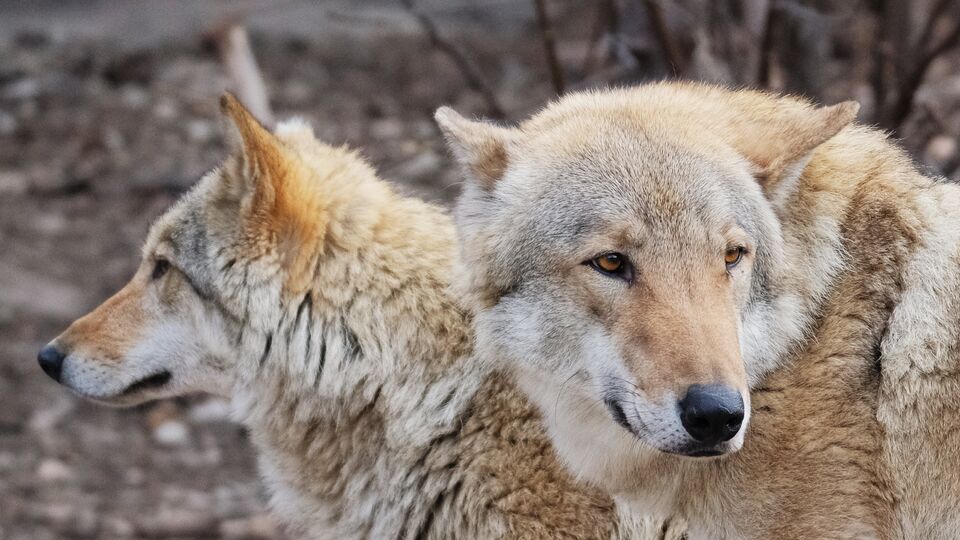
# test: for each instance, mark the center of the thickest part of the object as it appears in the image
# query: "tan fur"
(853, 367)
(304, 288)
(115, 326)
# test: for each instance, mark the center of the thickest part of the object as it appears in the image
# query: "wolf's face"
(218, 271)
(158, 336)
(622, 254)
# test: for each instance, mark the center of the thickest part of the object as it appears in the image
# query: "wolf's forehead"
(657, 187)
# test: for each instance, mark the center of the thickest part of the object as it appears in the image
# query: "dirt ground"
(99, 133)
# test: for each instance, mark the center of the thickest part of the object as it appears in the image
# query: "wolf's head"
(237, 257)
(624, 247)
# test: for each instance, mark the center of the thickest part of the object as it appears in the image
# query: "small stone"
(297, 92)
(50, 224)
(133, 96)
(165, 110)
(117, 527)
(167, 523)
(56, 514)
(172, 433)
(13, 183)
(940, 150)
(134, 476)
(113, 139)
(52, 470)
(386, 128)
(23, 89)
(162, 412)
(199, 130)
(256, 527)
(85, 523)
(46, 175)
(8, 123)
(46, 419)
(212, 410)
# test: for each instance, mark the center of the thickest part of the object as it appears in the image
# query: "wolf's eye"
(159, 269)
(732, 256)
(613, 264)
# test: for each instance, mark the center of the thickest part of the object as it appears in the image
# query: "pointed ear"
(282, 207)
(480, 147)
(259, 150)
(779, 142)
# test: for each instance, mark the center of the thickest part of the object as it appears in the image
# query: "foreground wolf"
(675, 271)
(295, 281)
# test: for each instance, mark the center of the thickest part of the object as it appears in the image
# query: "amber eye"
(612, 264)
(732, 256)
(159, 269)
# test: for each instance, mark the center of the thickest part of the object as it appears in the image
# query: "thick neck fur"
(357, 378)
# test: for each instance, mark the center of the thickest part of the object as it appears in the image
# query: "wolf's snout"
(711, 413)
(51, 361)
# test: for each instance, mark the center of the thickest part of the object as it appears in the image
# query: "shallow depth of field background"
(108, 111)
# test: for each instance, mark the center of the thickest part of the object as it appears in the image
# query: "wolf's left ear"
(281, 206)
(259, 150)
(780, 142)
(482, 148)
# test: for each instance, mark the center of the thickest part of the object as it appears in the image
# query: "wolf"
(294, 281)
(732, 306)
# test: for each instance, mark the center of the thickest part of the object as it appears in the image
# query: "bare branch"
(765, 53)
(926, 54)
(471, 74)
(762, 31)
(936, 12)
(549, 46)
(659, 22)
(233, 44)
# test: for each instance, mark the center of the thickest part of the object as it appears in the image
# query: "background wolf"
(678, 270)
(296, 282)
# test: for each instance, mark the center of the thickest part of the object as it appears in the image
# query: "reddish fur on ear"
(261, 150)
(285, 210)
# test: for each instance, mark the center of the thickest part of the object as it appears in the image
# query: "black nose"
(711, 413)
(51, 360)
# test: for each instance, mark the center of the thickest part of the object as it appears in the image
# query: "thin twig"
(664, 36)
(233, 44)
(936, 12)
(926, 55)
(471, 74)
(549, 46)
(607, 20)
(765, 52)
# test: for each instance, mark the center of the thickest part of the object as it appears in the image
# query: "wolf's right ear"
(482, 148)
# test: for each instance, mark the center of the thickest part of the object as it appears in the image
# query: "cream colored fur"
(846, 312)
(294, 281)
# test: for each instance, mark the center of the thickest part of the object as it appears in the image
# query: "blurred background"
(108, 111)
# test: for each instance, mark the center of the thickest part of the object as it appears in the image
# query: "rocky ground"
(99, 133)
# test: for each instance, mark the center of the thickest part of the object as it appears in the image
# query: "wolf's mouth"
(704, 453)
(618, 414)
(153, 381)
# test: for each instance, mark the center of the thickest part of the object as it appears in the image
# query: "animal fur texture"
(295, 282)
(840, 325)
